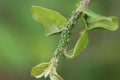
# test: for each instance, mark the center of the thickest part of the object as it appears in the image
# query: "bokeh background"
(24, 45)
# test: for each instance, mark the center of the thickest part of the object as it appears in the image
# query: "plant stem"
(65, 35)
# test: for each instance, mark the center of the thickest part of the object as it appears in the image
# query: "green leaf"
(79, 46)
(55, 77)
(95, 21)
(69, 54)
(52, 21)
(81, 43)
(39, 70)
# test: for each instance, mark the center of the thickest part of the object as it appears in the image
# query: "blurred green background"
(24, 45)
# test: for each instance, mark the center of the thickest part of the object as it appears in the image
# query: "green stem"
(65, 36)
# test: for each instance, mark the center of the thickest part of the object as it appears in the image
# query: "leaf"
(39, 70)
(52, 21)
(55, 77)
(69, 54)
(81, 43)
(95, 21)
(79, 46)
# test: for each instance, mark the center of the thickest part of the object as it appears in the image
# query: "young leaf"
(81, 43)
(39, 70)
(55, 77)
(52, 21)
(95, 21)
(79, 46)
(69, 54)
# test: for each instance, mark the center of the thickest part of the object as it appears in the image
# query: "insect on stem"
(65, 35)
